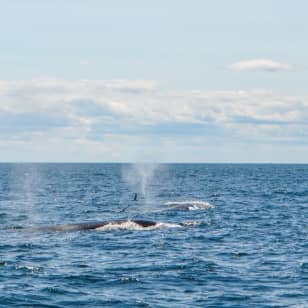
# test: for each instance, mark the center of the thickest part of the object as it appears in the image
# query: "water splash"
(131, 225)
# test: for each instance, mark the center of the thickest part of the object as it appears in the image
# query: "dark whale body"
(92, 225)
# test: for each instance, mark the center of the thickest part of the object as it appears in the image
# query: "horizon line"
(153, 162)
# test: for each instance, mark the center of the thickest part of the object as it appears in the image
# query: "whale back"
(92, 225)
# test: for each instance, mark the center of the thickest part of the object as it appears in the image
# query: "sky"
(163, 81)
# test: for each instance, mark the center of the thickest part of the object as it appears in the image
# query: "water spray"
(139, 178)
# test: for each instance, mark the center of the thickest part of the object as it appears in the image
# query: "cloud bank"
(115, 119)
(265, 65)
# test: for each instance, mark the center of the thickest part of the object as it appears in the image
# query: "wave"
(132, 225)
(191, 205)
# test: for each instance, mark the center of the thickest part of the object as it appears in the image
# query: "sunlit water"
(228, 235)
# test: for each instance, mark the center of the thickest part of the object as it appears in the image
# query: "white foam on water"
(131, 225)
(30, 268)
(191, 223)
(191, 205)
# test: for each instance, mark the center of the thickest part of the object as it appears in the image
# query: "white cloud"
(266, 65)
(112, 119)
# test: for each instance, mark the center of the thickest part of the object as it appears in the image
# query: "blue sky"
(206, 81)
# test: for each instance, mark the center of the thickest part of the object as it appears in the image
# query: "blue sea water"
(249, 250)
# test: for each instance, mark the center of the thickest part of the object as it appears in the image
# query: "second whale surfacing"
(105, 225)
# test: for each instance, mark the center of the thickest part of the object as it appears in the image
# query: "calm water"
(250, 250)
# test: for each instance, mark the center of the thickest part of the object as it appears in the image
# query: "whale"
(144, 224)
(188, 205)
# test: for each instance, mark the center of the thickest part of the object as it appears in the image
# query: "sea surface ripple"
(241, 240)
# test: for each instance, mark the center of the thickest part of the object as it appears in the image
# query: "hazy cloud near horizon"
(112, 117)
(265, 65)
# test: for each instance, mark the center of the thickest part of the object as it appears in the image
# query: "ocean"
(225, 235)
